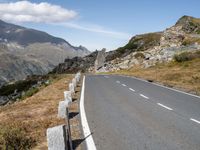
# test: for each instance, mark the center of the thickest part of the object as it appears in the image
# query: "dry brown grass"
(38, 112)
(184, 75)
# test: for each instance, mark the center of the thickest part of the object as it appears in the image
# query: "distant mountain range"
(26, 52)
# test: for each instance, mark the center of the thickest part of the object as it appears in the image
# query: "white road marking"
(164, 106)
(86, 130)
(106, 76)
(132, 89)
(195, 120)
(161, 86)
(144, 96)
(123, 84)
(117, 81)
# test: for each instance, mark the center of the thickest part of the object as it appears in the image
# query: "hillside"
(143, 50)
(26, 52)
(25, 122)
(148, 49)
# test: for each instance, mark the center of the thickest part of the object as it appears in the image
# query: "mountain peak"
(189, 24)
(185, 19)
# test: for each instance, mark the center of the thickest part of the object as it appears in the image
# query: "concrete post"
(57, 138)
(71, 88)
(74, 82)
(67, 96)
(62, 109)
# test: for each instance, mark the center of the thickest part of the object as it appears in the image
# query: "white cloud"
(97, 29)
(25, 11)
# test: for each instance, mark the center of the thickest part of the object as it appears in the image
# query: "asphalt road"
(128, 114)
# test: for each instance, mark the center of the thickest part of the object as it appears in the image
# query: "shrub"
(139, 55)
(30, 92)
(19, 86)
(14, 137)
(186, 56)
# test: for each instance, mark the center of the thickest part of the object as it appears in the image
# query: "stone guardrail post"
(59, 137)
(71, 88)
(74, 82)
(68, 96)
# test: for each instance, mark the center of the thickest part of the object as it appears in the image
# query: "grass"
(186, 56)
(184, 75)
(26, 121)
(190, 41)
(138, 43)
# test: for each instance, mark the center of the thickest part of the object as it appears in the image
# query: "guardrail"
(59, 137)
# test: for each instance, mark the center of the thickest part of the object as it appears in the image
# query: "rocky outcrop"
(148, 49)
(84, 64)
(100, 60)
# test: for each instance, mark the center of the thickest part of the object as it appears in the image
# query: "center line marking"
(123, 84)
(164, 106)
(132, 89)
(117, 81)
(144, 96)
(106, 76)
(195, 120)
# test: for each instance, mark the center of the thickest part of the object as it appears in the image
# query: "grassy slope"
(184, 75)
(35, 114)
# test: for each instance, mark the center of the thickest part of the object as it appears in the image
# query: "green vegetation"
(142, 42)
(30, 92)
(186, 56)
(14, 137)
(139, 43)
(190, 41)
(19, 86)
(139, 55)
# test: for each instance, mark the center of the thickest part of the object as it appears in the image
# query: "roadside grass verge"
(24, 123)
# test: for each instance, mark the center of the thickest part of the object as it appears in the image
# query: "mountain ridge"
(25, 51)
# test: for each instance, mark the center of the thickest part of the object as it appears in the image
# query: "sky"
(97, 24)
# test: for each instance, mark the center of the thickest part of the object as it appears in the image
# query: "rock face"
(148, 49)
(100, 60)
(26, 52)
(84, 64)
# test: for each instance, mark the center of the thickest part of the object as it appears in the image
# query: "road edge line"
(85, 127)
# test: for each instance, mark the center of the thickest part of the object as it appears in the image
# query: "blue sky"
(111, 23)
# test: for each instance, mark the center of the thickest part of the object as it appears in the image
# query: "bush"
(139, 55)
(13, 137)
(19, 86)
(30, 92)
(186, 56)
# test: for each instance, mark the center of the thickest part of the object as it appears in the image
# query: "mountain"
(26, 52)
(146, 50)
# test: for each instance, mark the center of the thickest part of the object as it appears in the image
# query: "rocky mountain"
(84, 64)
(148, 49)
(145, 50)
(26, 51)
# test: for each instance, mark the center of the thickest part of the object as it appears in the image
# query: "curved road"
(125, 113)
